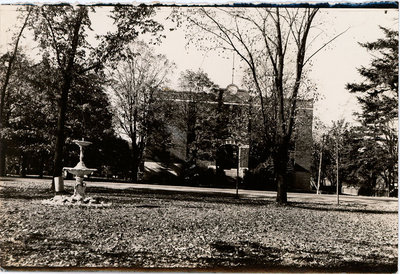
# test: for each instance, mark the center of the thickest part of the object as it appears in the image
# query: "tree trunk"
(23, 166)
(281, 162)
(58, 165)
(41, 165)
(3, 152)
(67, 77)
(281, 197)
(191, 132)
(135, 163)
(134, 169)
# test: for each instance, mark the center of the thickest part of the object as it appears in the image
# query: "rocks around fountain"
(74, 200)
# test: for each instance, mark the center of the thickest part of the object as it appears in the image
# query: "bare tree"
(133, 85)
(266, 39)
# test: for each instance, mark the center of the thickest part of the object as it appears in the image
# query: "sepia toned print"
(199, 138)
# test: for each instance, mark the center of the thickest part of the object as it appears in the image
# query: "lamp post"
(337, 170)
(237, 175)
(320, 165)
(239, 146)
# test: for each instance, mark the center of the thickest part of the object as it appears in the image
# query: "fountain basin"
(80, 172)
(82, 143)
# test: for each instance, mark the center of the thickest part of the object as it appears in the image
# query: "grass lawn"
(162, 230)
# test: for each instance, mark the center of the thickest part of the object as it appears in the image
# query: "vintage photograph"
(257, 137)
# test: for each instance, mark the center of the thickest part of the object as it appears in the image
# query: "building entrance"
(227, 156)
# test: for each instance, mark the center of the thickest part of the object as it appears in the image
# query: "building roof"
(230, 95)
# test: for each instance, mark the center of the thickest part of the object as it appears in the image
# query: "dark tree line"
(8, 61)
(69, 70)
(32, 118)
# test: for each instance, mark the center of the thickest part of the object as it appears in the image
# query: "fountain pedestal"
(79, 188)
(80, 170)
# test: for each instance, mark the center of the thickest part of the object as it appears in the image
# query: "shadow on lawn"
(52, 243)
(271, 267)
(6, 179)
(37, 242)
(124, 196)
(243, 256)
(249, 256)
(259, 267)
(225, 256)
(343, 208)
(135, 196)
(25, 194)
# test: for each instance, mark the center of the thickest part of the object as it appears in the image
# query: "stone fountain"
(80, 171)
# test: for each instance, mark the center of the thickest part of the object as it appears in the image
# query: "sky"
(331, 69)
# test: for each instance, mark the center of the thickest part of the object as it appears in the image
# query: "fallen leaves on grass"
(160, 230)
